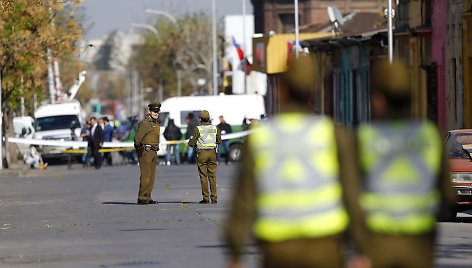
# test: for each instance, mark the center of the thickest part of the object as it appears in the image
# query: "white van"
(234, 108)
(61, 121)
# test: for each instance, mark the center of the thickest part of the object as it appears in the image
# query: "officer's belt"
(149, 147)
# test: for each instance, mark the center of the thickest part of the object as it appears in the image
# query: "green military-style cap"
(392, 78)
(301, 74)
(155, 107)
(205, 114)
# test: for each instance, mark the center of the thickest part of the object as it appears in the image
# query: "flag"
(303, 51)
(238, 49)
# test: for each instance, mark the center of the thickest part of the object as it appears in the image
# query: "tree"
(27, 30)
(186, 46)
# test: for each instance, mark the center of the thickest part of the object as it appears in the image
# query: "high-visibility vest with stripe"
(401, 162)
(207, 139)
(297, 173)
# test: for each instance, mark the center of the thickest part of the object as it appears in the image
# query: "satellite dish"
(335, 17)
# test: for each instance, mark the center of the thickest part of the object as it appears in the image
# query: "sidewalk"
(22, 170)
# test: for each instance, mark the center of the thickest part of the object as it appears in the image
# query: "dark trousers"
(224, 145)
(97, 156)
(107, 157)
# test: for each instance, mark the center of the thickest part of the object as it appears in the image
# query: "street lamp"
(177, 65)
(147, 27)
(215, 66)
(163, 13)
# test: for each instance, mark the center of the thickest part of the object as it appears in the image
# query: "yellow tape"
(109, 150)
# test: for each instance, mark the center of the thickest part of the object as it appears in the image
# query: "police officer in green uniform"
(289, 190)
(206, 138)
(404, 176)
(146, 143)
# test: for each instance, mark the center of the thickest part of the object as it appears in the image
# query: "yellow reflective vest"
(401, 162)
(297, 173)
(207, 139)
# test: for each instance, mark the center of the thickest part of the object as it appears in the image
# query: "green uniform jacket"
(144, 127)
(243, 206)
(444, 187)
(193, 141)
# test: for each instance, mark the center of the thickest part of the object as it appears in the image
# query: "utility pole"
(297, 49)
(215, 63)
(1, 122)
(390, 14)
(244, 46)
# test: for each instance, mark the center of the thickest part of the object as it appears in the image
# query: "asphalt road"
(88, 218)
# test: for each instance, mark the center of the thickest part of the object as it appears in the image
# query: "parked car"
(458, 143)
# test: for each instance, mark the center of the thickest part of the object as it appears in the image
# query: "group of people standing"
(173, 135)
(95, 133)
(204, 139)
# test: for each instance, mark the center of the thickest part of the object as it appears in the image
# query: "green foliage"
(185, 45)
(26, 32)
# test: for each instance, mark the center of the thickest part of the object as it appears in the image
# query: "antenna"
(336, 18)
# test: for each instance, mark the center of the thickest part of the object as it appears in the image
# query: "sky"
(105, 16)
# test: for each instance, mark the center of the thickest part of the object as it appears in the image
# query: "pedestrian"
(130, 156)
(107, 137)
(85, 135)
(224, 128)
(172, 134)
(191, 125)
(289, 187)
(146, 143)
(33, 158)
(405, 179)
(206, 138)
(96, 142)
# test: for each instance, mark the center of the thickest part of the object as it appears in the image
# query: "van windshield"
(56, 122)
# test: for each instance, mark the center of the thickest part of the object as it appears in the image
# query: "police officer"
(206, 138)
(289, 188)
(405, 180)
(146, 143)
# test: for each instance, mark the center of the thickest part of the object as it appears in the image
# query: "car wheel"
(235, 152)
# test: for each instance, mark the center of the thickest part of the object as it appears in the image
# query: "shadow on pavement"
(160, 202)
(143, 229)
(119, 203)
(453, 251)
(132, 264)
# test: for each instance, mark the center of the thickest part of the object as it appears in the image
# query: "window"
(56, 122)
(287, 22)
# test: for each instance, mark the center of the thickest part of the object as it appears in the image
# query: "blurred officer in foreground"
(146, 143)
(404, 175)
(289, 189)
(206, 138)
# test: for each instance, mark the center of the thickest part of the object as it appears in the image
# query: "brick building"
(278, 15)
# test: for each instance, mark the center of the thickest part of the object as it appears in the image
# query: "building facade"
(278, 15)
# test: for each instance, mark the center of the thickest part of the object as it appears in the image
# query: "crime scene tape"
(74, 146)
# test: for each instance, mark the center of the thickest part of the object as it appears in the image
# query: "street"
(88, 218)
